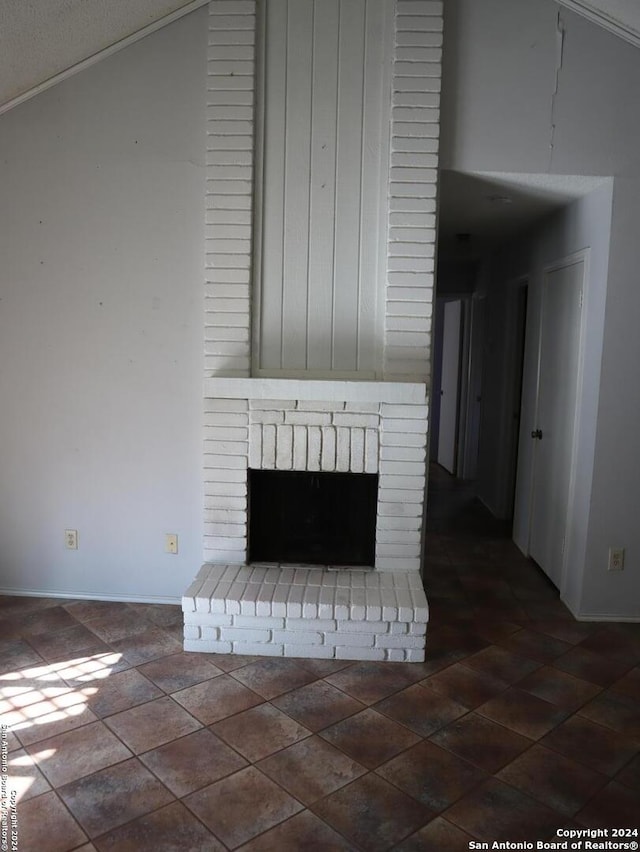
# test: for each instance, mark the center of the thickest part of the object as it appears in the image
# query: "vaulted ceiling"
(42, 39)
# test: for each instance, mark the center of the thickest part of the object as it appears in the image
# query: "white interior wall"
(101, 235)
(502, 112)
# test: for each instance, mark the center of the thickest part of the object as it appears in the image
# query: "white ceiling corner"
(620, 17)
(44, 41)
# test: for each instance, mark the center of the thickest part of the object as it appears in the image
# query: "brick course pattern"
(415, 123)
(305, 611)
(231, 84)
(388, 439)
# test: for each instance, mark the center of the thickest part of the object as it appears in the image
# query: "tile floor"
(520, 722)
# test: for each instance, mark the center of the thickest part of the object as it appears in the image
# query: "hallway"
(521, 722)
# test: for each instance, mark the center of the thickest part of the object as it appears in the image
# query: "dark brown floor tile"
(311, 769)
(23, 776)
(630, 774)
(260, 731)
(614, 807)
(322, 668)
(36, 622)
(496, 631)
(242, 806)
(501, 664)
(317, 705)
(229, 662)
(523, 713)
(551, 610)
(495, 811)
(437, 836)
(189, 763)
(571, 632)
(86, 610)
(152, 724)
(303, 831)
(114, 624)
(559, 688)
(600, 748)
(171, 829)
(372, 813)
(19, 604)
(629, 685)
(552, 779)
(121, 691)
(216, 699)
(45, 823)
(481, 742)
(371, 682)
(614, 711)
(270, 677)
(75, 641)
(369, 738)
(77, 753)
(114, 796)
(179, 671)
(421, 709)
(456, 639)
(15, 655)
(464, 685)
(153, 643)
(613, 644)
(595, 668)
(162, 615)
(439, 659)
(535, 646)
(432, 775)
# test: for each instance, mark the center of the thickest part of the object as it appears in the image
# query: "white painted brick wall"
(412, 188)
(229, 185)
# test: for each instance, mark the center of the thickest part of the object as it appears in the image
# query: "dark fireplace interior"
(315, 518)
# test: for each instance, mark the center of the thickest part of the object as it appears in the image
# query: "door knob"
(537, 433)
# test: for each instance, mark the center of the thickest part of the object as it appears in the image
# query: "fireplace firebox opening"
(312, 518)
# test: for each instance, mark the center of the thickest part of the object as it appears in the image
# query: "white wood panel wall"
(324, 181)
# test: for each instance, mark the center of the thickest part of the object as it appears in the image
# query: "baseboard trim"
(89, 596)
(607, 616)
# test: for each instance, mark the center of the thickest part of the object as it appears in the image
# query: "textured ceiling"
(42, 38)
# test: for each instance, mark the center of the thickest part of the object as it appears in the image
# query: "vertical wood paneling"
(274, 155)
(297, 191)
(348, 185)
(323, 169)
(373, 194)
(324, 195)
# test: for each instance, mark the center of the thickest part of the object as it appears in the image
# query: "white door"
(448, 430)
(554, 430)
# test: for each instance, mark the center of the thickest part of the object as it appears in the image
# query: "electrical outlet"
(616, 559)
(71, 539)
(171, 543)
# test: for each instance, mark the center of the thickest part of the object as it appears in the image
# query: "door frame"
(568, 260)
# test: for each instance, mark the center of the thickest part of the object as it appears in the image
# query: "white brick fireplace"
(322, 153)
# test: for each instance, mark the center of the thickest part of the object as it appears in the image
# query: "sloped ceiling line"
(113, 37)
(620, 17)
